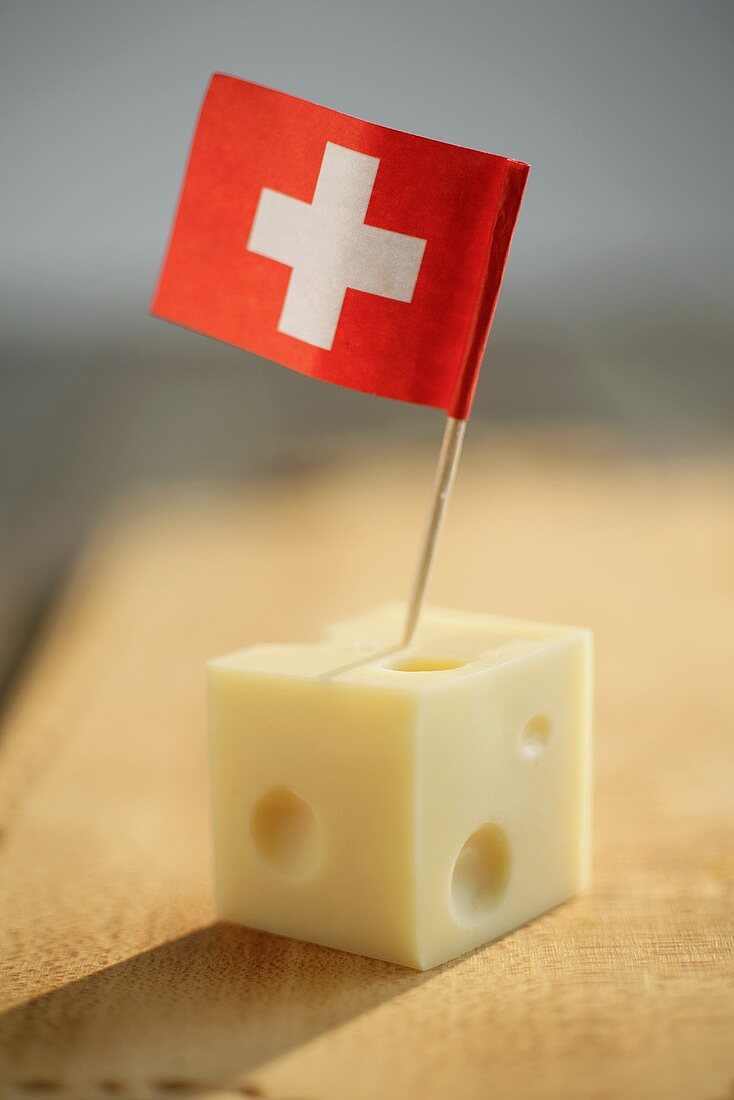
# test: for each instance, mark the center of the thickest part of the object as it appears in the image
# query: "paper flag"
(344, 250)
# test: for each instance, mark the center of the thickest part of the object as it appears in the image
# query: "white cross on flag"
(347, 251)
(330, 248)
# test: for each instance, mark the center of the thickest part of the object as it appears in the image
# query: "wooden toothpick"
(448, 461)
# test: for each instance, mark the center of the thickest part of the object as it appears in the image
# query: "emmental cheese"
(410, 807)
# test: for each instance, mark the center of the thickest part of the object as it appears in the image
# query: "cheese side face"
(410, 808)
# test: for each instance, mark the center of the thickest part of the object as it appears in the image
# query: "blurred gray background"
(616, 304)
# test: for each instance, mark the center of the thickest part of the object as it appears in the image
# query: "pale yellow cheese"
(412, 807)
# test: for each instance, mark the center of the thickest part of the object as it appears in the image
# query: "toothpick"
(448, 462)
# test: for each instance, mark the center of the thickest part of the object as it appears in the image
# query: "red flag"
(344, 250)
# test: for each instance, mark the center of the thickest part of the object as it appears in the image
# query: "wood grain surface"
(115, 980)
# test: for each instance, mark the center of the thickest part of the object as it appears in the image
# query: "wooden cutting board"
(115, 979)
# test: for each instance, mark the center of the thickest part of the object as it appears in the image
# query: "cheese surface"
(410, 808)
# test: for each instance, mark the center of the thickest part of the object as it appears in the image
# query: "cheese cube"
(412, 807)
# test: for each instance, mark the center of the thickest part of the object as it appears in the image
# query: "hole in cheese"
(535, 734)
(480, 875)
(426, 664)
(286, 833)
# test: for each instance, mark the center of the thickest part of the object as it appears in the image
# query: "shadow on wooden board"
(191, 1016)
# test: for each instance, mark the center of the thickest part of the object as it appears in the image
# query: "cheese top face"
(411, 807)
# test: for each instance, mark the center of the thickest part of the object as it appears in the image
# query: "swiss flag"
(344, 250)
